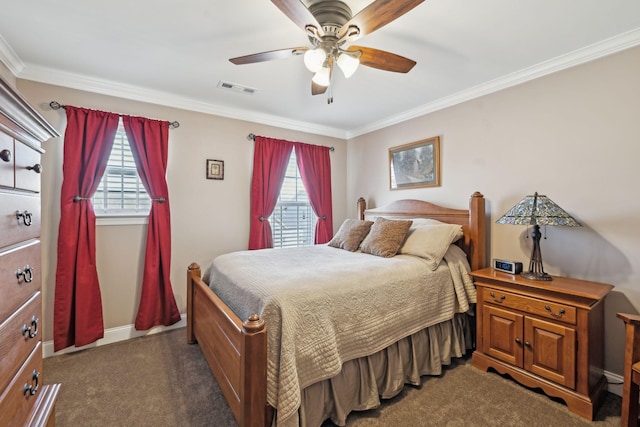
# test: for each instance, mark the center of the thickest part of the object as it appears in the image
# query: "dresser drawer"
(16, 341)
(551, 310)
(6, 166)
(15, 403)
(13, 229)
(13, 289)
(28, 168)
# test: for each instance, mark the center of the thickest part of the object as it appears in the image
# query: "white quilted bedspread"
(324, 306)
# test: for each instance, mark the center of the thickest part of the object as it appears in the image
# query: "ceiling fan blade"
(299, 14)
(383, 60)
(268, 56)
(376, 15)
(317, 89)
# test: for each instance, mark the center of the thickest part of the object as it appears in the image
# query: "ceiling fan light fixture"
(314, 59)
(348, 63)
(322, 77)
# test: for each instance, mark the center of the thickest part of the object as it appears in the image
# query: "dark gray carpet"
(160, 380)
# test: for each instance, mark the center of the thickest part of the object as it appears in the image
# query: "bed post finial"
(253, 324)
(362, 206)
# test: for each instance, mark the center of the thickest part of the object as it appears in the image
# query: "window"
(293, 220)
(120, 191)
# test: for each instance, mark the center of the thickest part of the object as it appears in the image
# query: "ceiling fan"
(329, 24)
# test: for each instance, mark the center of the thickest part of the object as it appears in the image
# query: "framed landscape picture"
(215, 169)
(415, 165)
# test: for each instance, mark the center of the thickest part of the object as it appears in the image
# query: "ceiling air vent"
(236, 88)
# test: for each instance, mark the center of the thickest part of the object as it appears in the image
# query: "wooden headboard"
(472, 221)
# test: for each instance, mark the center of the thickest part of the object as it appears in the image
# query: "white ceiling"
(175, 52)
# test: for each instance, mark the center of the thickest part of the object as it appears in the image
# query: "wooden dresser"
(24, 399)
(546, 334)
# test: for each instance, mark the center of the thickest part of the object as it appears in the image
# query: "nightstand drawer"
(551, 310)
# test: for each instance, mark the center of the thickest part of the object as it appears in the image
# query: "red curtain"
(77, 311)
(314, 164)
(270, 159)
(149, 141)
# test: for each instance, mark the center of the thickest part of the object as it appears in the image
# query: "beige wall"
(219, 225)
(574, 136)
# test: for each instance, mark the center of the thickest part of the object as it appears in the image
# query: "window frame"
(297, 204)
(115, 216)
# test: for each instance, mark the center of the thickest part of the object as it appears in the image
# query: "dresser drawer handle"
(26, 217)
(37, 168)
(26, 275)
(32, 330)
(502, 298)
(5, 155)
(557, 315)
(33, 387)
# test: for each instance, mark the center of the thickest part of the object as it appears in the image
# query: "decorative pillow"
(385, 237)
(419, 222)
(431, 242)
(350, 234)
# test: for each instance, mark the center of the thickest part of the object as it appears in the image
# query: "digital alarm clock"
(507, 266)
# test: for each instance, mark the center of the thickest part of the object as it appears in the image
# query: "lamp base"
(531, 275)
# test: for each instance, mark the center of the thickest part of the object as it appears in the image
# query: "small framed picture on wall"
(215, 169)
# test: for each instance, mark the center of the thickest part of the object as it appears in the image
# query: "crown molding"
(76, 81)
(597, 50)
(136, 93)
(9, 57)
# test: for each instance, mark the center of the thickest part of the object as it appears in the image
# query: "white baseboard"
(113, 335)
(614, 383)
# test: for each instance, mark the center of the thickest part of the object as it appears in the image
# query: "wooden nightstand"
(546, 334)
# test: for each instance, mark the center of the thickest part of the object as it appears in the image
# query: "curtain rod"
(252, 137)
(56, 106)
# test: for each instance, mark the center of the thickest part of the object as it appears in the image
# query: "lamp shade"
(348, 64)
(540, 210)
(537, 210)
(314, 58)
(323, 76)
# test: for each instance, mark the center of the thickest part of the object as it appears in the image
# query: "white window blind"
(293, 220)
(120, 191)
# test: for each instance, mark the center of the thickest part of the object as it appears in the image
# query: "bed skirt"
(364, 381)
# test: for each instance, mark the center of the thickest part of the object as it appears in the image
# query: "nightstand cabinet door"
(550, 351)
(502, 335)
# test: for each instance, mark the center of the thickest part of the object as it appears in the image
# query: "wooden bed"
(236, 349)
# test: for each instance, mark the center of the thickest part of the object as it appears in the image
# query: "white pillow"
(431, 241)
(419, 222)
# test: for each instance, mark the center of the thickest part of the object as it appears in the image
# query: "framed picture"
(415, 165)
(215, 169)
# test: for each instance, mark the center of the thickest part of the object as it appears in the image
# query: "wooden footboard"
(236, 351)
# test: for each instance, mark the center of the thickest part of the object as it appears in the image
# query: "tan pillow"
(385, 237)
(431, 242)
(350, 234)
